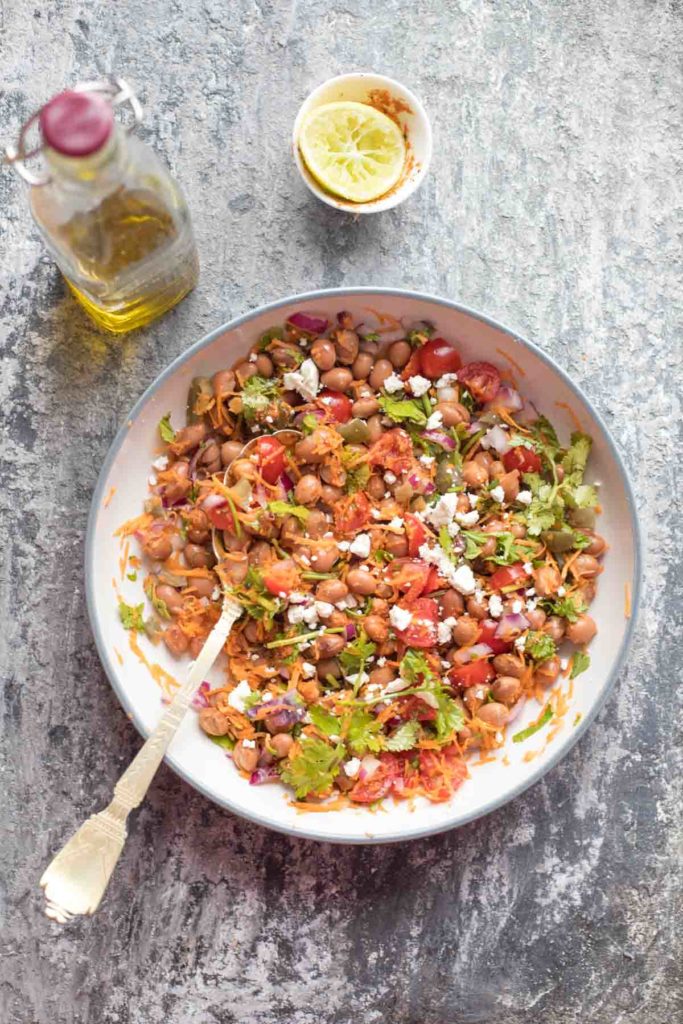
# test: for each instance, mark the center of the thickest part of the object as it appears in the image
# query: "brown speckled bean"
(380, 371)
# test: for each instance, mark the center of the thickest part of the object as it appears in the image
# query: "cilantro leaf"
(545, 432)
(357, 478)
(539, 517)
(413, 665)
(405, 737)
(403, 409)
(160, 607)
(382, 556)
(519, 737)
(268, 336)
(355, 654)
(507, 551)
(324, 720)
(446, 542)
(576, 457)
(314, 768)
(539, 646)
(449, 717)
(474, 542)
(309, 423)
(583, 496)
(283, 508)
(257, 394)
(363, 732)
(580, 662)
(131, 616)
(568, 608)
(165, 429)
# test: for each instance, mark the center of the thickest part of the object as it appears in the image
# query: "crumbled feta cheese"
(400, 618)
(357, 679)
(463, 580)
(393, 383)
(447, 381)
(324, 609)
(308, 669)
(328, 535)
(467, 518)
(152, 480)
(295, 614)
(443, 511)
(520, 643)
(343, 545)
(517, 607)
(215, 593)
(444, 630)
(389, 477)
(305, 559)
(524, 497)
(352, 767)
(426, 460)
(473, 500)
(296, 598)
(161, 463)
(394, 686)
(498, 494)
(495, 606)
(361, 545)
(396, 523)
(453, 529)
(310, 616)
(237, 697)
(528, 567)
(435, 421)
(419, 385)
(334, 736)
(531, 605)
(305, 380)
(381, 662)
(530, 592)
(268, 695)
(375, 513)
(561, 591)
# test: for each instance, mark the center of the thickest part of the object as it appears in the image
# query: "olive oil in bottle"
(112, 216)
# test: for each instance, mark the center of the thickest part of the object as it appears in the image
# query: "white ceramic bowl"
(415, 123)
(122, 487)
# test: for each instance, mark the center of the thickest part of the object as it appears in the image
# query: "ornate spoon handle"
(75, 881)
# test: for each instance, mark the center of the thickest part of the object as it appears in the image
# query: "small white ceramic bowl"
(122, 487)
(357, 87)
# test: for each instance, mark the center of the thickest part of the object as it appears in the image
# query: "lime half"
(352, 150)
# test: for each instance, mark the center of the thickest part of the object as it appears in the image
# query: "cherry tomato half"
(476, 673)
(222, 518)
(409, 575)
(421, 632)
(352, 514)
(482, 380)
(412, 367)
(271, 456)
(281, 577)
(488, 636)
(438, 357)
(507, 575)
(338, 404)
(416, 532)
(523, 459)
(379, 785)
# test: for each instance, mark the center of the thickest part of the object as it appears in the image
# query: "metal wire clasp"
(119, 92)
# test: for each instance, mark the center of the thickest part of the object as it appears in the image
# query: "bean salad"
(409, 539)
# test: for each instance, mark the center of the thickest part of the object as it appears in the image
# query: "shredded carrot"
(110, 494)
(509, 358)
(161, 677)
(568, 564)
(332, 805)
(627, 600)
(123, 560)
(119, 656)
(133, 525)
(392, 324)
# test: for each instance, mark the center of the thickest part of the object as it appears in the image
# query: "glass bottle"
(110, 213)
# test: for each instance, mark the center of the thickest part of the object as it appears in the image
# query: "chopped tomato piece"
(379, 785)
(421, 631)
(351, 514)
(434, 581)
(412, 367)
(337, 404)
(482, 380)
(393, 451)
(409, 575)
(281, 577)
(416, 532)
(476, 673)
(222, 518)
(438, 357)
(488, 636)
(414, 707)
(271, 456)
(508, 575)
(523, 459)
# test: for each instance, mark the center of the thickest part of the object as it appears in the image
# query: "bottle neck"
(103, 167)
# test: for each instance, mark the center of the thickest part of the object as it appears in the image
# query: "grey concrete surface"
(552, 205)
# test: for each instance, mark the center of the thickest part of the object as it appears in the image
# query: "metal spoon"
(76, 879)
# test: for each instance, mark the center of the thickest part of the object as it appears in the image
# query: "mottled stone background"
(552, 205)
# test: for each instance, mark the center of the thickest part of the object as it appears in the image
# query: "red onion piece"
(497, 439)
(200, 699)
(507, 398)
(445, 441)
(192, 467)
(474, 426)
(511, 625)
(350, 631)
(368, 767)
(466, 654)
(309, 324)
(214, 501)
(286, 482)
(261, 775)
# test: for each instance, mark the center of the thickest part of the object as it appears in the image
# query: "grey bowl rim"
(572, 737)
